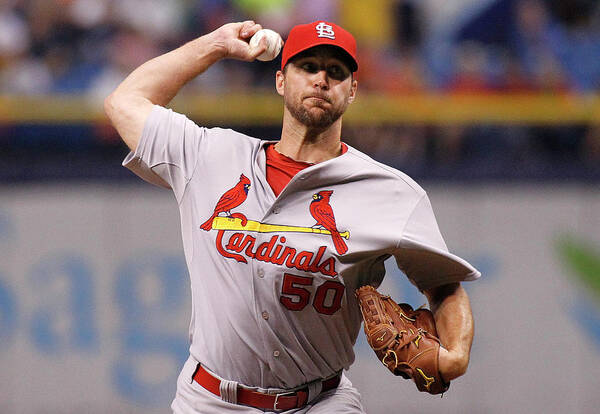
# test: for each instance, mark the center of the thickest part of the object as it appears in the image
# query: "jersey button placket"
(265, 315)
(260, 273)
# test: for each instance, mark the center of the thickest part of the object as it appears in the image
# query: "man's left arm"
(454, 322)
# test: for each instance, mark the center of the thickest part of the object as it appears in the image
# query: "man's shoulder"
(229, 133)
(375, 169)
(168, 115)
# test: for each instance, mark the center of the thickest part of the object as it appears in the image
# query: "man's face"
(317, 87)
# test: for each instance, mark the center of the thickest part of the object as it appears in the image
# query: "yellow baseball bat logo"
(235, 224)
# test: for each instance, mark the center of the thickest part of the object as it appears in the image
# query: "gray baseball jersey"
(273, 278)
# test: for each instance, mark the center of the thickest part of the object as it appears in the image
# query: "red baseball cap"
(305, 36)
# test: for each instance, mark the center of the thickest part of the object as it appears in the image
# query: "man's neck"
(306, 145)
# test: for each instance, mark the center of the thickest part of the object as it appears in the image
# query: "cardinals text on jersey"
(240, 245)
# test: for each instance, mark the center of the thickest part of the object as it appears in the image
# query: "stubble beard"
(320, 120)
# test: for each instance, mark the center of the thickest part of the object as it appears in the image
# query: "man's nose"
(320, 80)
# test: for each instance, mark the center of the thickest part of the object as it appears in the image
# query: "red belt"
(245, 396)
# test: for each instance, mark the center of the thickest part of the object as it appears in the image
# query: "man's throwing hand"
(233, 40)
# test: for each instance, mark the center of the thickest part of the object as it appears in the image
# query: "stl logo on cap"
(325, 30)
(305, 36)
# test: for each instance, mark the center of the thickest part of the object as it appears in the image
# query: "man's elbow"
(110, 106)
(461, 366)
(127, 113)
(121, 107)
(453, 364)
(455, 372)
(116, 112)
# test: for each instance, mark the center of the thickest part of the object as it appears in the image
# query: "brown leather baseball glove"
(405, 340)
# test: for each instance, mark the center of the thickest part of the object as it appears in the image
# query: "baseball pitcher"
(280, 235)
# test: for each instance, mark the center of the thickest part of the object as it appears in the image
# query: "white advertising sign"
(95, 302)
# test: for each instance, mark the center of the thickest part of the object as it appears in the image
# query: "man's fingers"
(259, 48)
(249, 28)
(235, 38)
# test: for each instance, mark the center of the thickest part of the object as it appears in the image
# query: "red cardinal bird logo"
(323, 213)
(231, 199)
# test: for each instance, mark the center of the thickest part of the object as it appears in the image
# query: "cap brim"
(351, 60)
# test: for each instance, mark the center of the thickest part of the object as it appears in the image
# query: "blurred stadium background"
(492, 105)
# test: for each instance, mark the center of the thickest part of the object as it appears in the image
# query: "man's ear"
(279, 82)
(353, 88)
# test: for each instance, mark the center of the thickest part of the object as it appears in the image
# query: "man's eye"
(336, 72)
(309, 67)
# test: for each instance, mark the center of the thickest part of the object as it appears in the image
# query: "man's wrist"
(216, 45)
(207, 49)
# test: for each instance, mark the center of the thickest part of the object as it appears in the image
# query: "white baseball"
(274, 44)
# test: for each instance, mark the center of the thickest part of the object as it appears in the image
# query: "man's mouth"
(318, 98)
